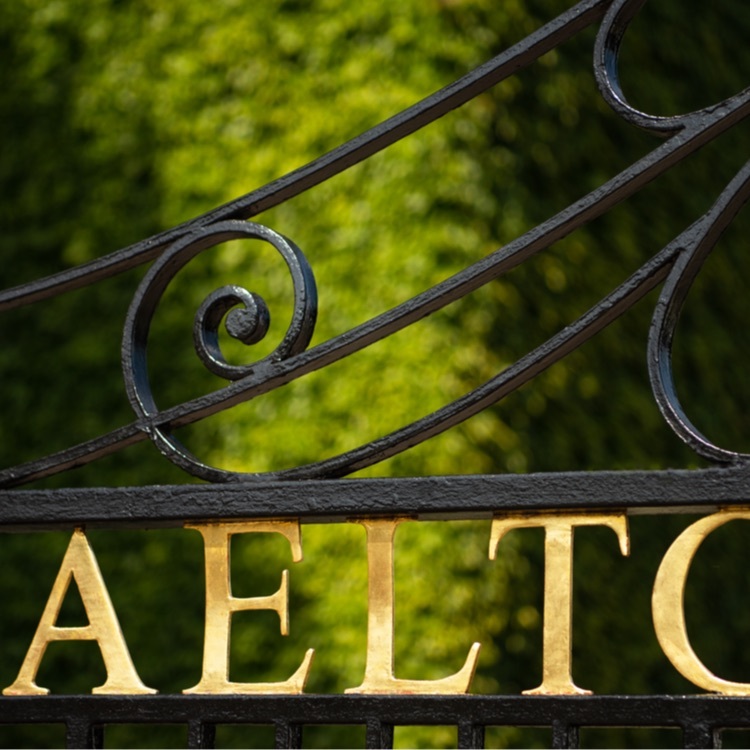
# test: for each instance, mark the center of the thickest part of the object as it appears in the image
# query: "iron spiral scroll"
(675, 267)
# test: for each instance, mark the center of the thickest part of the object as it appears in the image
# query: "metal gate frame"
(314, 493)
(700, 717)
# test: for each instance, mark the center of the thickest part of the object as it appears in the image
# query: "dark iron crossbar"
(701, 718)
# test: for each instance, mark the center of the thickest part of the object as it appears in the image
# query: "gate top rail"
(422, 498)
(562, 497)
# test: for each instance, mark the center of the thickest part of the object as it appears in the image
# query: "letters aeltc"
(80, 564)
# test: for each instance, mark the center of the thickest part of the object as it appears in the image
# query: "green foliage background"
(120, 119)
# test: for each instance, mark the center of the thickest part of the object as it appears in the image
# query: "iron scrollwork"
(248, 323)
(675, 266)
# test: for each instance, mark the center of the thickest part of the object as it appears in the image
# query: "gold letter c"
(667, 604)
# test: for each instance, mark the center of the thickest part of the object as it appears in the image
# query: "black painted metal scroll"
(280, 495)
(675, 266)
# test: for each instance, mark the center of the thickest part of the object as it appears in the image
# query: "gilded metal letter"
(379, 666)
(220, 605)
(79, 563)
(667, 605)
(558, 587)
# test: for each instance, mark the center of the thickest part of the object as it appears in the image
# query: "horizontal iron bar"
(487, 710)
(322, 501)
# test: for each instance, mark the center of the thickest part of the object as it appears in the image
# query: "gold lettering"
(668, 605)
(379, 666)
(558, 587)
(220, 605)
(79, 563)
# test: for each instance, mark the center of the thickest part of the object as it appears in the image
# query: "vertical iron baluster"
(564, 735)
(201, 735)
(81, 733)
(700, 735)
(379, 735)
(470, 735)
(288, 735)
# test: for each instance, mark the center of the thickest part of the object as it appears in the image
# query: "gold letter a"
(79, 563)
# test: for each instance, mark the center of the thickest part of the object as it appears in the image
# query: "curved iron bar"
(250, 329)
(606, 67)
(272, 375)
(424, 112)
(248, 324)
(501, 261)
(509, 380)
(596, 319)
(689, 132)
(667, 312)
(492, 266)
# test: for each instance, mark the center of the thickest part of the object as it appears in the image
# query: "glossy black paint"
(336, 501)
(313, 493)
(675, 267)
(700, 717)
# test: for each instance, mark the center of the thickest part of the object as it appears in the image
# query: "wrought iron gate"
(313, 493)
